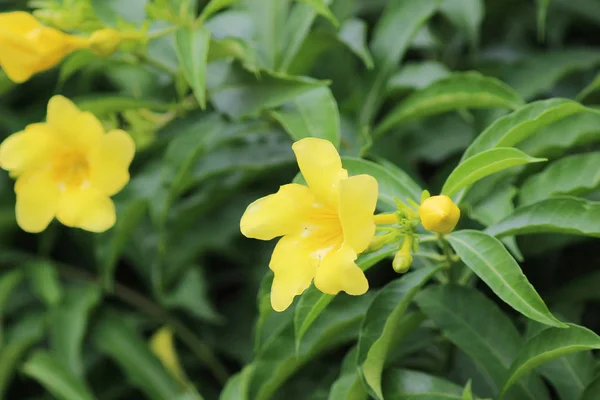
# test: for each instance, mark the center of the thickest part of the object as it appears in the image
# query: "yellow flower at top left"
(67, 167)
(27, 47)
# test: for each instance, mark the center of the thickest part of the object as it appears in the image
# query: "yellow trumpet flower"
(27, 47)
(67, 168)
(324, 225)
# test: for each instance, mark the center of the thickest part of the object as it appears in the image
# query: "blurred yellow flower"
(439, 214)
(324, 226)
(27, 47)
(67, 168)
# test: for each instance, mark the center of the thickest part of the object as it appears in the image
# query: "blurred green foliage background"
(78, 309)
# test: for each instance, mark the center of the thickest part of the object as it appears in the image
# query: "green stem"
(157, 64)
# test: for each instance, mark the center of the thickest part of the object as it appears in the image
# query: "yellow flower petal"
(358, 198)
(294, 267)
(75, 127)
(54, 45)
(278, 214)
(18, 22)
(87, 209)
(109, 162)
(338, 272)
(37, 201)
(321, 167)
(18, 56)
(27, 149)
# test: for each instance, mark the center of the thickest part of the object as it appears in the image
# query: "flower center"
(324, 230)
(71, 170)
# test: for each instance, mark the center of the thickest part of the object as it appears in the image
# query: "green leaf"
(575, 130)
(457, 91)
(353, 33)
(313, 302)
(51, 374)
(393, 182)
(68, 324)
(393, 33)
(241, 94)
(484, 164)
(458, 311)
(114, 338)
(320, 6)
(563, 214)
(232, 48)
(548, 345)
(467, 16)
(111, 244)
(9, 281)
(28, 331)
(192, 51)
(589, 89)
(569, 375)
(311, 114)
(491, 262)
(562, 177)
(113, 12)
(348, 385)
(468, 392)
(296, 31)
(517, 126)
(538, 73)
(104, 105)
(592, 391)
(384, 325)
(212, 7)
(278, 360)
(238, 385)
(403, 384)
(269, 28)
(191, 294)
(417, 75)
(44, 281)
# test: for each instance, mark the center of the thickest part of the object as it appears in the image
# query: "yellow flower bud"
(402, 262)
(439, 214)
(105, 42)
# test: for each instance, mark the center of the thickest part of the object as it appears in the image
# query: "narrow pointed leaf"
(192, 51)
(214, 6)
(353, 33)
(592, 391)
(68, 323)
(321, 7)
(312, 114)
(458, 311)
(117, 340)
(243, 94)
(467, 16)
(491, 262)
(382, 327)
(59, 381)
(517, 126)
(538, 73)
(393, 34)
(458, 91)
(575, 130)
(403, 384)
(563, 177)
(548, 345)
(561, 214)
(484, 164)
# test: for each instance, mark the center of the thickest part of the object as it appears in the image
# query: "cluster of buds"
(437, 214)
